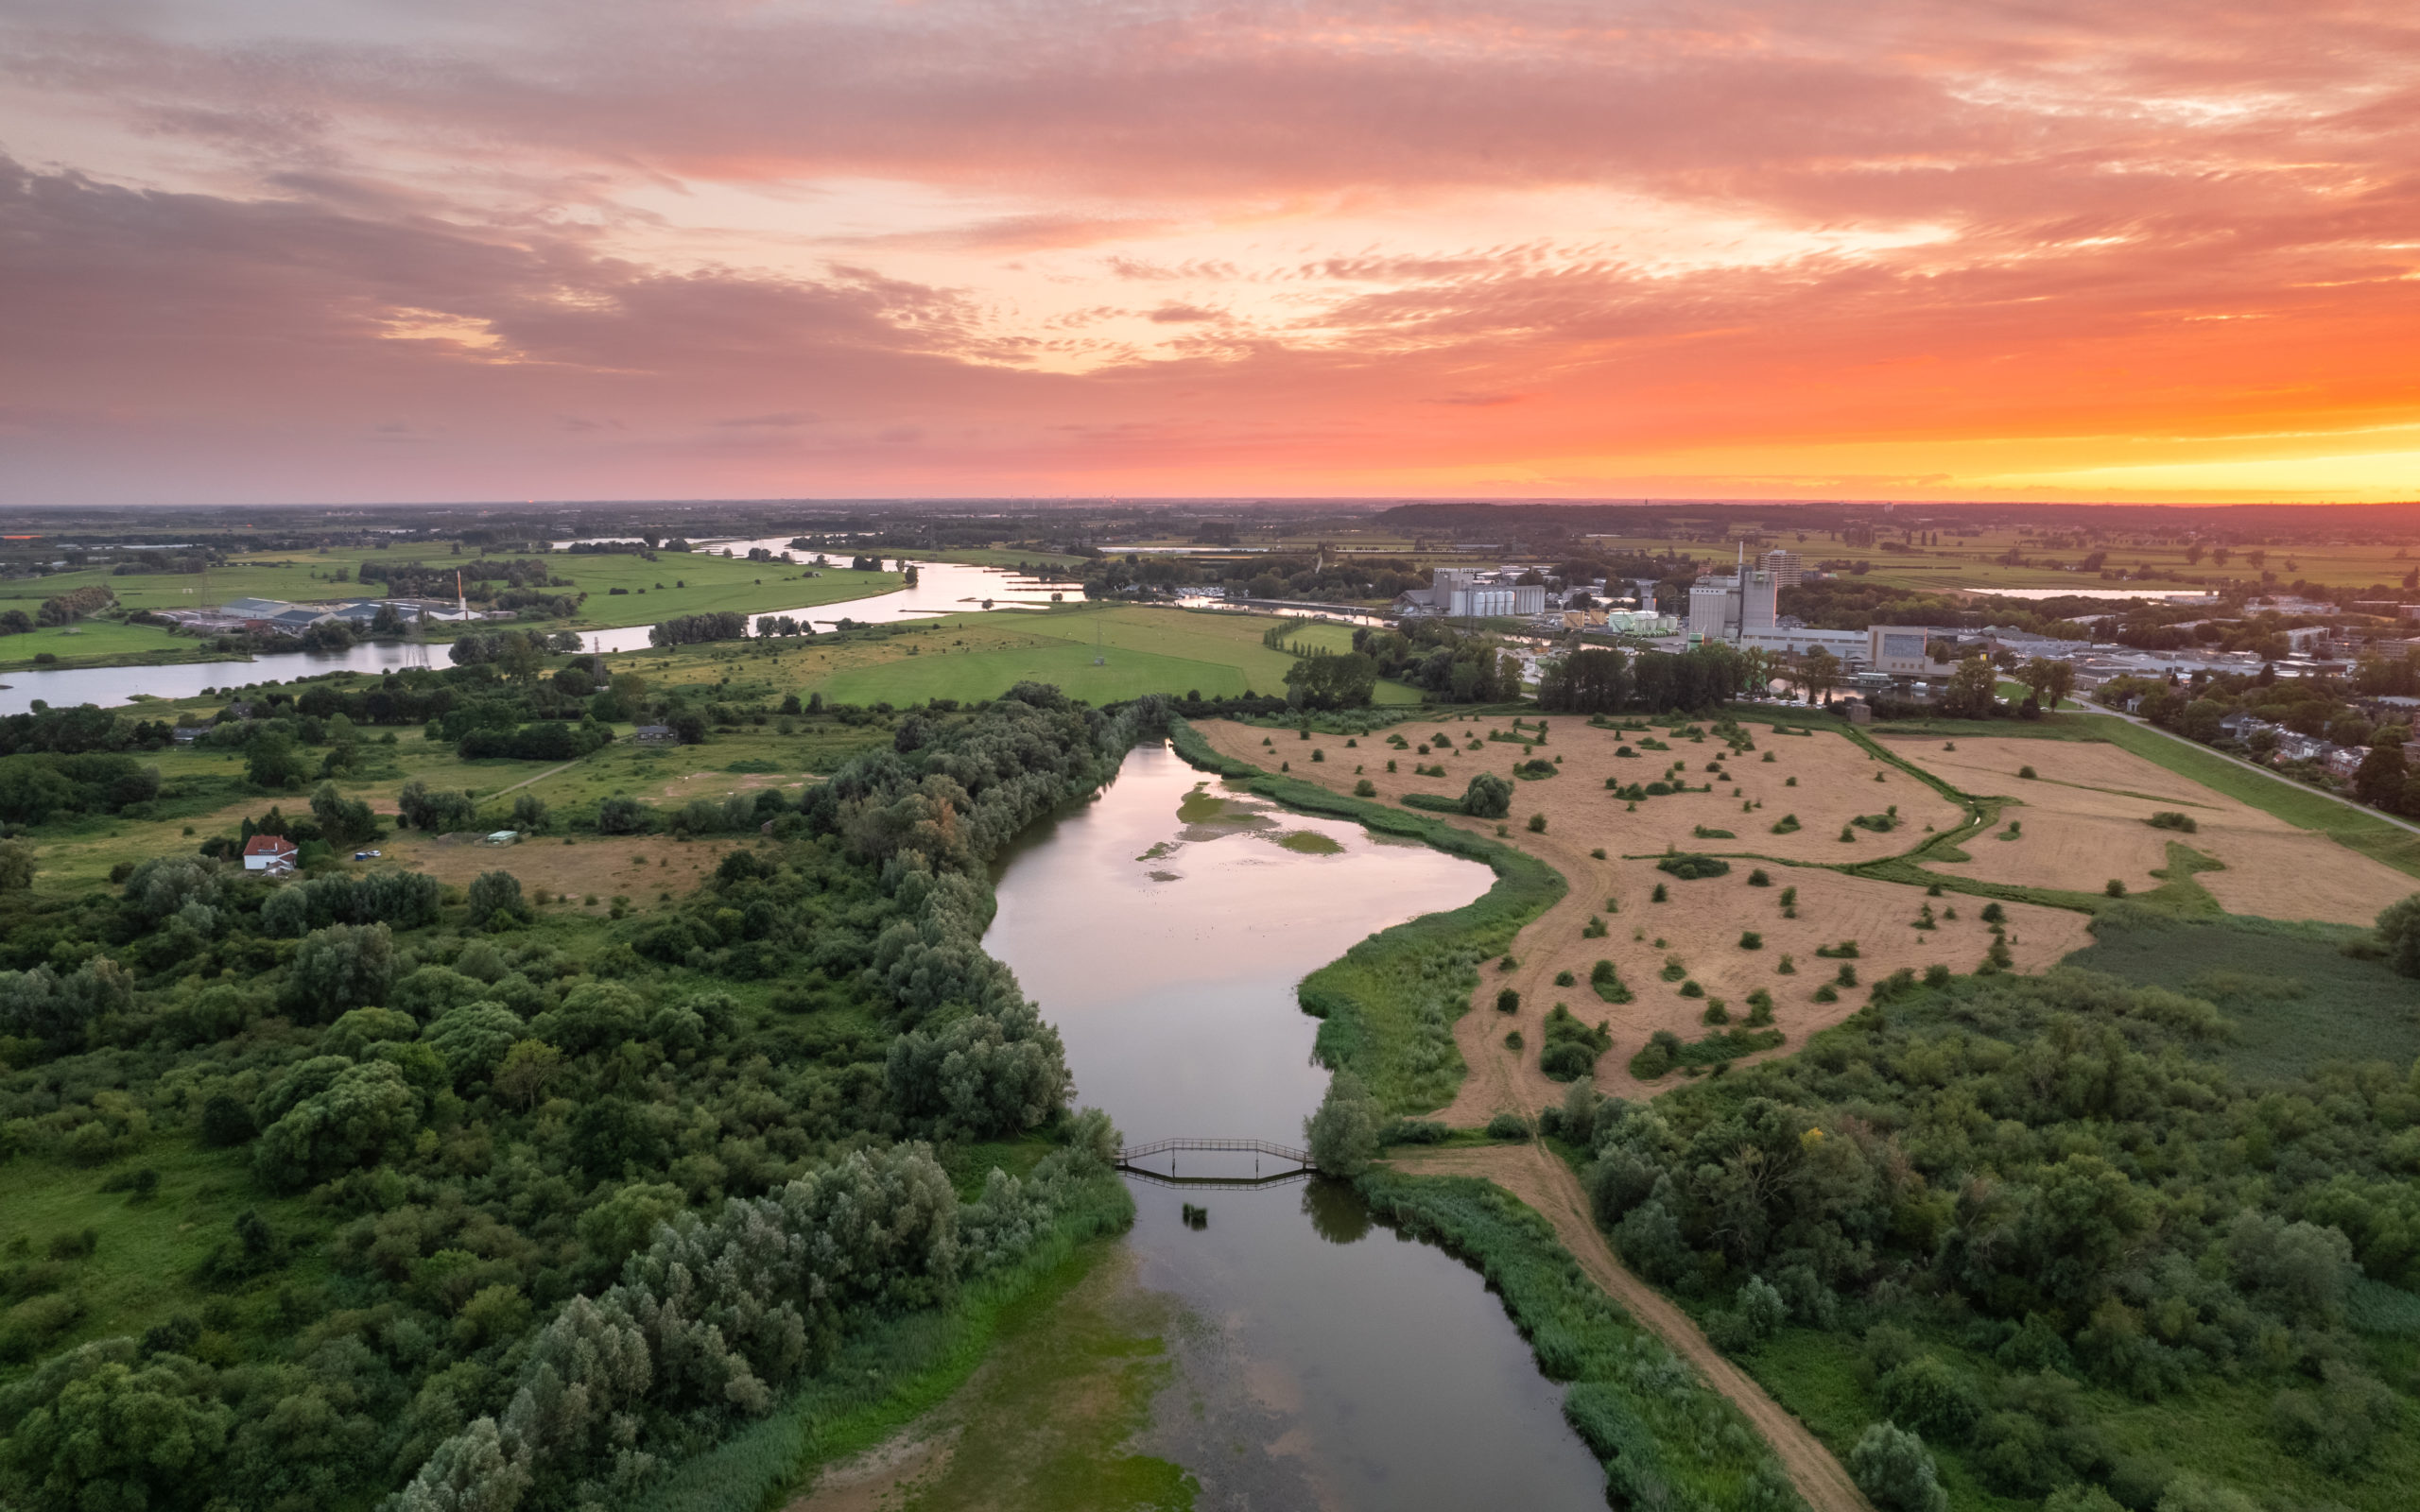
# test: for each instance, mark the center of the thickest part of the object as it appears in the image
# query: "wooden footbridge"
(1298, 1162)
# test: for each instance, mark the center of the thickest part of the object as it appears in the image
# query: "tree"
(1972, 690)
(1489, 796)
(2399, 935)
(343, 820)
(1344, 1134)
(1820, 671)
(1891, 1466)
(108, 1432)
(530, 812)
(2380, 777)
(364, 1111)
(496, 895)
(338, 968)
(1331, 682)
(438, 812)
(272, 760)
(16, 865)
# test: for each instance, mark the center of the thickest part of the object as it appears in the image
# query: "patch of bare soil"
(1702, 925)
(2082, 821)
(1532, 1174)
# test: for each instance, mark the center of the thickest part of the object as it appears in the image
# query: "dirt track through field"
(2083, 823)
(1532, 1173)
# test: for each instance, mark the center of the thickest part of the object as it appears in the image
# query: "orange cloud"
(1931, 250)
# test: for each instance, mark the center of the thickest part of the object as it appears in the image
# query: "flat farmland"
(2082, 820)
(1698, 930)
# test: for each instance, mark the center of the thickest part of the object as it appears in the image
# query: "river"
(940, 588)
(1326, 1360)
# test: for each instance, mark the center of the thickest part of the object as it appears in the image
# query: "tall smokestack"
(462, 604)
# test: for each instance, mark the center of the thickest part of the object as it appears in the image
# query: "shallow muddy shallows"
(1311, 1357)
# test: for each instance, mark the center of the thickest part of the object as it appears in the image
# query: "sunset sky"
(295, 250)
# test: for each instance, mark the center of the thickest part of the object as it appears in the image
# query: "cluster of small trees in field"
(527, 1203)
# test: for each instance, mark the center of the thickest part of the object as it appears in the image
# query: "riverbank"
(1388, 1006)
(895, 1374)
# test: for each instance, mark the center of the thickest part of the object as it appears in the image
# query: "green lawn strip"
(1663, 1436)
(887, 1378)
(2353, 828)
(1388, 1005)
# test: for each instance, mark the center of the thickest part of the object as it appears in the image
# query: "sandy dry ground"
(2084, 816)
(1702, 922)
(1532, 1173)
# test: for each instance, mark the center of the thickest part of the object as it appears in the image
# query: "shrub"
(2114, 887)
(1344, 1134)
(1507, 1127)
(1693, 868)
(1931, 1397)
(2172, 820)
(1891, 1466)
(1659, 895)
(1571, 1046)
(1608, 982)
(1489, 796)
(1365, 788)
(1758, 878)
(2399, 933)
(1565, 979)
(1537, 824)
(1751, 940)
(496, 898)
(1508, 1001)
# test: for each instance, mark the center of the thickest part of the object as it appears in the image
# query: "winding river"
(1326, 1360)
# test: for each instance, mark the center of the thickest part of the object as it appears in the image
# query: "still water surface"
(1332, 1362)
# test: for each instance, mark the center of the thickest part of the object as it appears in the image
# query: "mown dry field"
(1701, 924)
(2082, 821)
(640, 868)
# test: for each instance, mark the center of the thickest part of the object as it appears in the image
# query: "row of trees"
(1597, 680)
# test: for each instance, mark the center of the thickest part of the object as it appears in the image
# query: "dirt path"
(539, 777)
(1532, 1173)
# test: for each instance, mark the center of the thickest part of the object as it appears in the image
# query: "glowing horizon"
(354, 251)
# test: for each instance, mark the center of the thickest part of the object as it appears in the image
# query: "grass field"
(2295, 999)
(99, 643)
(1143, 650)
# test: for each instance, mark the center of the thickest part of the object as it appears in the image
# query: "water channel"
(1327, 1362)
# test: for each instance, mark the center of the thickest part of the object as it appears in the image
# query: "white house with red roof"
(268, 853)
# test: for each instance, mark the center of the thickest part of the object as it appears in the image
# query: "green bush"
(1891, 1466)
(1487, 796)
(1693, 868)
(1571, 1046)
(1507, 1127)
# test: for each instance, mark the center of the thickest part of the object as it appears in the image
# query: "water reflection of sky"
(1327, 1362)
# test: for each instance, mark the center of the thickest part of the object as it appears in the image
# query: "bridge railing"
(1282, 1152)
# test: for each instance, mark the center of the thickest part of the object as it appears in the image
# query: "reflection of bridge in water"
(1299, 1162)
